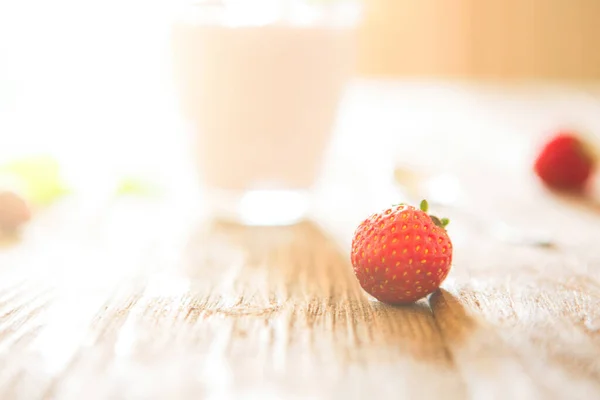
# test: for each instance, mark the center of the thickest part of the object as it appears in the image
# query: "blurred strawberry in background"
(566, 162)
(14, 211)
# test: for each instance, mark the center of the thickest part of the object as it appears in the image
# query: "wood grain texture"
(250, 312)
(142, 302)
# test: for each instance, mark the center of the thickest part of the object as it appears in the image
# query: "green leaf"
(445, 222)
(39, 177)
(424, 206)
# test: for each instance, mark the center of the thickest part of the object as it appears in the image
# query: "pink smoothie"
(262, 99)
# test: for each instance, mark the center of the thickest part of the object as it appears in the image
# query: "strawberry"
(401, 254)
(565, 162)
(14, 211)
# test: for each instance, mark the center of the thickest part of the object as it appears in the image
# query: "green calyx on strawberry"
(424, 206)
(402, 254)
(442, 223)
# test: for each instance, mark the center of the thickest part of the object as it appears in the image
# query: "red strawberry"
(565, 163)
(402, 254)
(14, 211)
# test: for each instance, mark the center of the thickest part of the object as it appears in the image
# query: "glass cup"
(260, 82)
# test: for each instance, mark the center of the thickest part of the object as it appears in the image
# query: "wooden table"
(140, 301)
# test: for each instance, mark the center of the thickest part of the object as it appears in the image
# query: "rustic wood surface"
(137, 300)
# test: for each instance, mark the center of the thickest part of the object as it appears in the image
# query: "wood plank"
(269, 312)
(539, 336)
(119, 307)
(518, 320)
(272, 312)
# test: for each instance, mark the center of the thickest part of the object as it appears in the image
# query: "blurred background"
(87, 89)
(513, 40)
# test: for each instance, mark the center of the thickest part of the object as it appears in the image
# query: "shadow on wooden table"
(410, 328)
(263, 307)
(296, 278)
(451, 316)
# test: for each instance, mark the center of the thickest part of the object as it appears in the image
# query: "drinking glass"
(260, 82)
